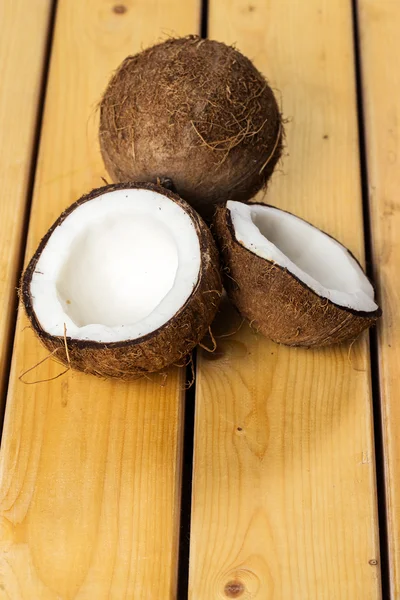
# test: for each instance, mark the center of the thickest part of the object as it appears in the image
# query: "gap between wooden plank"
(204, 18)
(187, 476)
(373, 346)
(188, 444)
(26, 173)
(378, 24)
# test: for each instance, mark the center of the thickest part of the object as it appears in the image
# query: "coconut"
(197, 112)
(295, 283)
(125, 282)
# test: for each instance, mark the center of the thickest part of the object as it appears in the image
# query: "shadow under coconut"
(271, 397)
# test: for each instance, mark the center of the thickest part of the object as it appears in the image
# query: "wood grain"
(90, 470)
(284, 496)
(21, 70)
(379, 24)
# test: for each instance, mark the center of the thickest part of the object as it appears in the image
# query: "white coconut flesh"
(117, 268)
(320, 262)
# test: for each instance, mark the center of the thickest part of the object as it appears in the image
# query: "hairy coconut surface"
(297, 285)
(195, 111)
(127, 277)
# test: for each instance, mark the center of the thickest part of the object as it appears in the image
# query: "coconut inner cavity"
(316, 259)
(118, 271)
(117, 268)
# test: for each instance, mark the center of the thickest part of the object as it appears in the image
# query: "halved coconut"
(295, 283)
(131, 273)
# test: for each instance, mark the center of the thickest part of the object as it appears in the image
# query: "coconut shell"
(276, 303)
(197, 112)
(165, 346)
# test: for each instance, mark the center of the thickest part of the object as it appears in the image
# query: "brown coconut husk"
(163, 347)
(279, 305)
(197, 112)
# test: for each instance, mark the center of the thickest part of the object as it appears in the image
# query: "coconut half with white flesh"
(127, 277)
(295, 283)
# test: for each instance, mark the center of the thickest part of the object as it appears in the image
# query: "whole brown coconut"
(197, 112)
(275, 301)
(56, 286)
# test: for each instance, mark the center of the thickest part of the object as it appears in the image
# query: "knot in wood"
(119, 9)
(234, 589)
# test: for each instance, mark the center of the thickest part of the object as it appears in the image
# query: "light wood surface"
(284, 497)
(90, 469)
(380, 46)
(21, 70)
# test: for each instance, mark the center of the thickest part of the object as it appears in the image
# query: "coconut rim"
(358, 313)
(27, 275)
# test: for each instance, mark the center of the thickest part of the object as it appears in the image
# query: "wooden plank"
(90, 470)
(379, 24)
(284, 497)
(21, 70)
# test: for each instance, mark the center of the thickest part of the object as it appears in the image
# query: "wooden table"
(278, 477)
